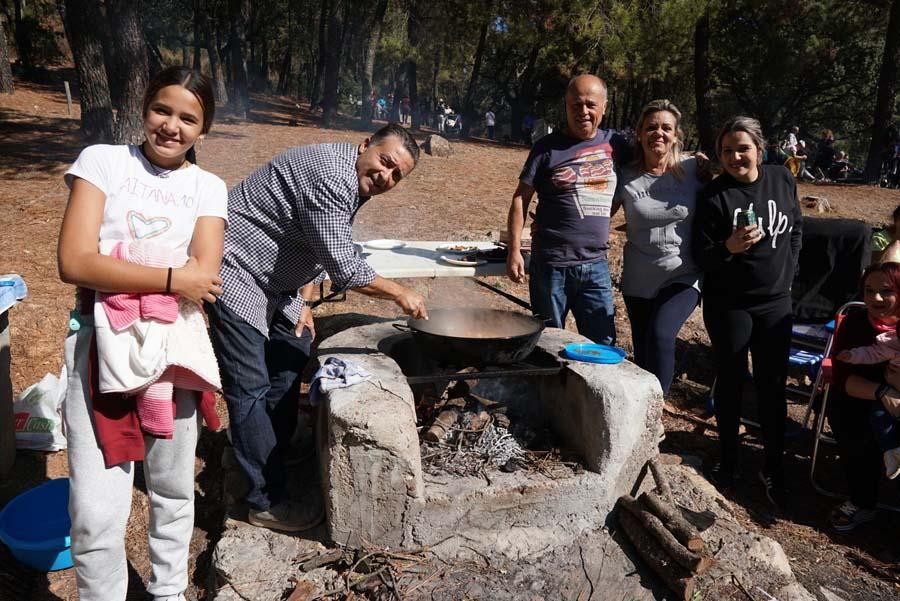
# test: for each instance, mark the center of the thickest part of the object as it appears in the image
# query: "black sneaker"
(775, 490)
(722, 476)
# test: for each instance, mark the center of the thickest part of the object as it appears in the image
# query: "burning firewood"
(442, 425)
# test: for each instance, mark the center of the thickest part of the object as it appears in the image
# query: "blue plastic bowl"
(35, 526)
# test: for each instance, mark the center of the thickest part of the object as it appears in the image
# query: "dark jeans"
(585, 289)
(655, 323)
(763, 328)
(884, 426)
(859, 454)
(260, 379)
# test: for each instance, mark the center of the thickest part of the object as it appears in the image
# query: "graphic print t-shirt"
(575, 182)
(142, 205)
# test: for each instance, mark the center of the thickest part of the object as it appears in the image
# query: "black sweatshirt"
(767, 269)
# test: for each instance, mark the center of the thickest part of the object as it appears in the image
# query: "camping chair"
(810, 344)
(819, 435)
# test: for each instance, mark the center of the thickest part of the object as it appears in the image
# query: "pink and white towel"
(150, 344)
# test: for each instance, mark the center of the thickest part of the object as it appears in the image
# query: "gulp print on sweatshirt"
(144, 192)
(778, 222)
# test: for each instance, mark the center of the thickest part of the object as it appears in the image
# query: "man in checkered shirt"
(289, 223)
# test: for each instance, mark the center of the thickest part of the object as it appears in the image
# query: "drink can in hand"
(746, 217)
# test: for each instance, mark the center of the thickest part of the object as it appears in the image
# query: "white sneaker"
(892, 463)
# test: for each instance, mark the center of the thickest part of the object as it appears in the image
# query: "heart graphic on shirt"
(142, 227)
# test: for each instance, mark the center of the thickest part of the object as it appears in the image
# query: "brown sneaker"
(290, 516)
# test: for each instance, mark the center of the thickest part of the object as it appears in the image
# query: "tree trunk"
(23, 37)
(331, 73)
(324, 11)
(215, 64)
(198, 36)
(436, 71)
(412, 80)
(131, 61)
(705, 128)
(399, 80)
(83, 24)
(887, 90)
(524, 96)
(369, 68)
(284, 73)
(6, 80)
(237, 43)
(468, 111)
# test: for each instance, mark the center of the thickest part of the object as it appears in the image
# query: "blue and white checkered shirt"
(289, 222)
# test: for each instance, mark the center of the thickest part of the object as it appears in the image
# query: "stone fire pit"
(372, 477)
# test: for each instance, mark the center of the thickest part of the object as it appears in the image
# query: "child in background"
(127, 195)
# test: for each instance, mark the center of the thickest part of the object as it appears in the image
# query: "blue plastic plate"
(594, 353)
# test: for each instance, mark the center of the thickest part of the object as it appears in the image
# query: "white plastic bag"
(38, 414)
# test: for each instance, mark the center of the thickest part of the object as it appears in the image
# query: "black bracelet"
(881, 390)
(169, 282)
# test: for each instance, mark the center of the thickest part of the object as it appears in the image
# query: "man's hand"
(704, 167)
(515, 266)
(743, 238)
(843, 356)
(195, 284)
(412, 303)
(306, 321)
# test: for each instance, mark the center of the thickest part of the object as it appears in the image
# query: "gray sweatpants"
(100, 498)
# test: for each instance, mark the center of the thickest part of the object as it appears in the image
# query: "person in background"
(790, 142)
(886, 241)
(290, 221)
(801, 154)
(441, 116)
(574, 175)
(125, 194)
(660, 280)
(824, 155)
(489, 121)
(527, 126)
(748, 271)
(857, 389)
(405, 110)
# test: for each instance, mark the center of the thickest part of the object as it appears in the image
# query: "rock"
(437, 146)
(256, 564)
(830, 595)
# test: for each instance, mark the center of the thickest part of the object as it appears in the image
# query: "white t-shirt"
(144, 202)
(489, 118)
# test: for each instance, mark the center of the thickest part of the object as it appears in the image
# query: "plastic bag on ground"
(38, 414)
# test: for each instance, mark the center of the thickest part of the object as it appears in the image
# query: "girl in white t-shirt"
(133, 194)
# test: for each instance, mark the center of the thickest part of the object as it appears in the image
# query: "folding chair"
(810, 344)
(823, 384)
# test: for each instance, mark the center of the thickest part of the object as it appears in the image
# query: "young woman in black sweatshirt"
(746, 292)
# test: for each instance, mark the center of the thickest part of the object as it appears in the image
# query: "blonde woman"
(660, 281)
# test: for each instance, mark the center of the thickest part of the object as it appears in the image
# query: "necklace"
(163, 173)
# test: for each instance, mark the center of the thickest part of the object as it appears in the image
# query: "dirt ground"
(464, 196)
